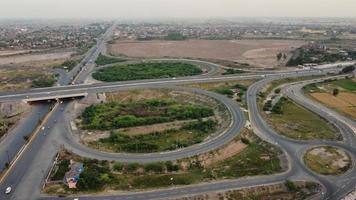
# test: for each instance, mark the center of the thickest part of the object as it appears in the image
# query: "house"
(71, 177)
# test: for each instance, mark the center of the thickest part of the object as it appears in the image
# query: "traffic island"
(327, 160)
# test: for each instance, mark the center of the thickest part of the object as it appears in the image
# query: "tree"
(284, 56)
(335, 92)
(290, 186)
(279, 56)
(348, 69)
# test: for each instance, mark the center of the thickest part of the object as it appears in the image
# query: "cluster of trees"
(70, 63)
(228, 90)
(175, 36)
(105, 60)
(43, 81)
(316, 56)
(146, 71)
(280, 56)
(233, 71)
(277, 108)
(116, 115)
(95, 175)
(348, 69)
(61, 168)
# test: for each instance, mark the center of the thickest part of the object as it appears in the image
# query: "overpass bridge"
(54, 97)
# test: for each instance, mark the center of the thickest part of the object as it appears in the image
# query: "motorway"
(27, 174)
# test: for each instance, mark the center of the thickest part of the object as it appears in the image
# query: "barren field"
(34, 58)
(344, 102)
(259, 53)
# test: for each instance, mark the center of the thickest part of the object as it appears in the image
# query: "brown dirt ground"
(344, 102)
(259, 53)
(34, 58)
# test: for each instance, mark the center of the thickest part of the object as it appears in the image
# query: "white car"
(8, 190)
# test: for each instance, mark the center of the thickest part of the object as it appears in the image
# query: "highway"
(27, 174)
(14, 146)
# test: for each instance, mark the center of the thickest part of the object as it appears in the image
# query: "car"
(8, 190)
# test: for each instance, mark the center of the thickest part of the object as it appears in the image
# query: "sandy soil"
(344, 102)
(16, 59)
(260, 53)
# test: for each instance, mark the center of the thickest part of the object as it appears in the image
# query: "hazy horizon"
(175, 9)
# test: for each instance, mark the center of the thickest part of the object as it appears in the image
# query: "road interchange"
(42, 148)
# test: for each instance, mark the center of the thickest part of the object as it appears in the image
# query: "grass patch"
(105, 60)
(141, 71)
(298, 123)
(347, 84)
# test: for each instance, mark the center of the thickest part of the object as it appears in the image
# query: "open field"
(22, 79)
(35, 58)
(344, 101)
(253, 158)
(259, 53)
(327, 160)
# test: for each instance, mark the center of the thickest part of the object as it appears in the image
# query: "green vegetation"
(70, 64)
(327, 160)
(346, 84)
(348, 69)
(43, 81)
(233, 71)
(175, 36)
(230, 90)
(296, 122)
(116, 115)
(105, 60)
(171, 139)
(258, 158)
(60, 169)
(5, 124)
(146, 71)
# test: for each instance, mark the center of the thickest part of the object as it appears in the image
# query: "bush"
(118, 166)
(132, 167)
(335, 92)
(290, 186)
(245, 140)
(171, 167)
(277, 91)
(157, 167)
(43, 82)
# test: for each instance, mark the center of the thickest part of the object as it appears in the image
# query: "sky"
(141, 9)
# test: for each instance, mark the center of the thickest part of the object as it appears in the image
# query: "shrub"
(118, 166)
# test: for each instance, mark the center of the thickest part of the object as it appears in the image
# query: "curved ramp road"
(237, 123)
